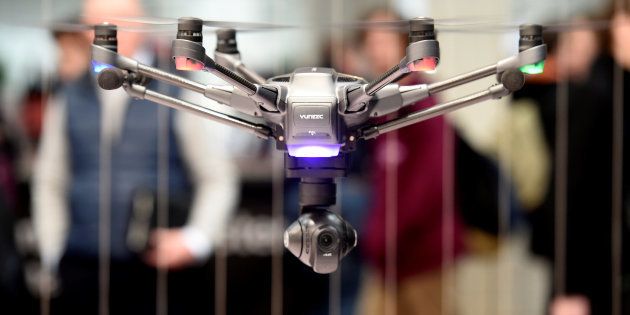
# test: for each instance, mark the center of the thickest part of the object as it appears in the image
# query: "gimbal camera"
(316, 115)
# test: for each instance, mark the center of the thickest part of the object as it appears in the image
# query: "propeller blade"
(70, 27)
(208, 23)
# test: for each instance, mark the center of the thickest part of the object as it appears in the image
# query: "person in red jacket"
(413, 188)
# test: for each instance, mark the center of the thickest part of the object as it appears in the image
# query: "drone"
(315, 115)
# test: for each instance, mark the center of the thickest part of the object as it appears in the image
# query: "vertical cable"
(336, 42)
(561, 172)
(220, 270)
(104, 220)
(104, 200)
(277, 250)
(163, 188)
(504, 279)
(617, 184)
(277, 205)
(448, 219)
(334, 299)
(617, 191)
(391, 218)
(220, 277)
(163, 193)
(45, 284)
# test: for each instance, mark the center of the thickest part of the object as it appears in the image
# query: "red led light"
(187, 64)
(425, 64)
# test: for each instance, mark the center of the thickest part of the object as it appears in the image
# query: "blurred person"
(589, 81)
(74, 54)
(80, 122)
(14, 297)
(579, 48)
(420, 161)
(620, 38)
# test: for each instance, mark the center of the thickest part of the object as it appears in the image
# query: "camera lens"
(326, 241)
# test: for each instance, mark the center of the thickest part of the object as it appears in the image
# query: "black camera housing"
(320, 239)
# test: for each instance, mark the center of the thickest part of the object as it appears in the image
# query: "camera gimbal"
(314, 114)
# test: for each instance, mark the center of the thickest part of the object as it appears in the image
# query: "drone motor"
(105, 35)
(423, 30)
(188, 51)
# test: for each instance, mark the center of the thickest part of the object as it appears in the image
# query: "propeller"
(157, 25)
(560, 27)
(209, 23)
(71, 27)
(474, 24)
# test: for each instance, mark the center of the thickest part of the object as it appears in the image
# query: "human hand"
(570, 305)
(167, 249)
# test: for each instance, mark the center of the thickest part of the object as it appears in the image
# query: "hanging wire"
(277, 205)
(277, 250)
(448, 220)
(220, 278)
(617, 193)
(45, 283)
(104, 231)
(163, 188)
(561, 171)
(334, 294)
(391, 218)
(337, 45)
(617, 184)
(504, 278)
(277, 160)
(104, 221)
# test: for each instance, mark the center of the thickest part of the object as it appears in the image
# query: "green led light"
(535, 68)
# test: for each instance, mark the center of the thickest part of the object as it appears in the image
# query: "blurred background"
(514, 206)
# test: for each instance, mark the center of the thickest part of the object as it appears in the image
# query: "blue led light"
(97, 66)
(327, 150)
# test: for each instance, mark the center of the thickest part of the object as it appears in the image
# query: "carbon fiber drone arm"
(494, 92)
(140, 91)
(234, 63)
(264, 96)
(393, 97)
(222, 94)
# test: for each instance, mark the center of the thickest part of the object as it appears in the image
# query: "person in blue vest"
(99, 152)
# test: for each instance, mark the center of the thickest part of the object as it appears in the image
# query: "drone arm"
(359, 97)
(226, 95)
(529, 56)
(263, 96)
(385, 102)
(233, 61)
(140, 91)
(462, 79)
(422, 54)
(158, 74)
(229, 96)
(494, 92)
(250, 74)
(192, 56)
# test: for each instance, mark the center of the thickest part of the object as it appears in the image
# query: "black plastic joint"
(321, 193)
